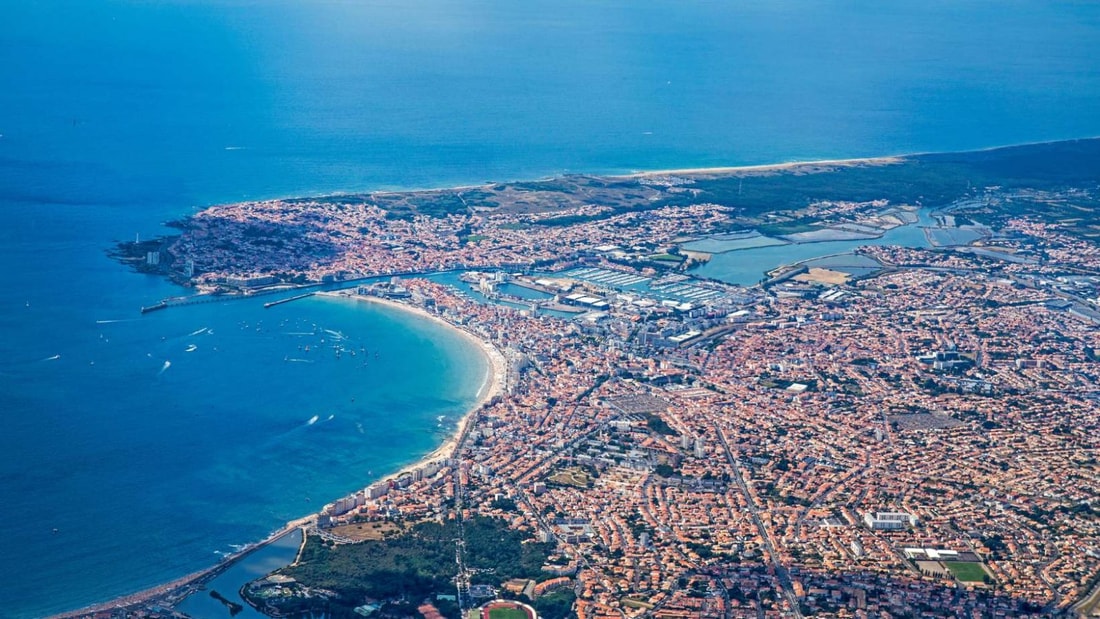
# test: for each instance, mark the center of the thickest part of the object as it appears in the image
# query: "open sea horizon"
(136, 449)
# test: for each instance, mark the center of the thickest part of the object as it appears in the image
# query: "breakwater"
(288, 299)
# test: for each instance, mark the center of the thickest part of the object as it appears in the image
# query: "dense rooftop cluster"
(924, 444)
(703, 479)
(299, 240)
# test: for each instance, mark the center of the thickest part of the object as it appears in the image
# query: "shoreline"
(491, 386)
(759, 168)
(747, 168)
(769, 167)
(844, 162)
(495, 373)
(175, 591)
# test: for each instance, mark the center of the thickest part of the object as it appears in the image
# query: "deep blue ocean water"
(116, 116)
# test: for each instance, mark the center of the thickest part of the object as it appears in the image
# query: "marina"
(682, 288)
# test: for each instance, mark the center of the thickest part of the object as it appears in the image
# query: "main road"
(781, 573)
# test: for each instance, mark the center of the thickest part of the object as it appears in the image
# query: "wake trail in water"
(198, 332)
(53, 358)
(114, 320)
(287, 433)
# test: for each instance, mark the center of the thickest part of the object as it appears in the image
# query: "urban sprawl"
(917, 436)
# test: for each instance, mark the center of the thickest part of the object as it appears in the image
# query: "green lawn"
(633, 603)
(573, 476)
(507, 613)
(666, 258)
(966, 572)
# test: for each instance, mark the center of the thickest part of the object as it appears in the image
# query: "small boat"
(191, 348)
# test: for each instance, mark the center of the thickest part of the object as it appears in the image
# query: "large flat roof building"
(889, 521)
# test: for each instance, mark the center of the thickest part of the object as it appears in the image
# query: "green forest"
(419, 562)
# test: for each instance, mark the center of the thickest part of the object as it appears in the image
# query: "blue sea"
(127, 457)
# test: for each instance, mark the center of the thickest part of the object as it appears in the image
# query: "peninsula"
(909, 431)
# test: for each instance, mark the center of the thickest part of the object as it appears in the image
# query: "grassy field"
(507, 613)
(825, 276)
(636, 604)
(573, 476)
(367, 530)
(966, 572)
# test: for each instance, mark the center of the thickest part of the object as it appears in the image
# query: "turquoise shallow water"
(158, 456)
(116, 116)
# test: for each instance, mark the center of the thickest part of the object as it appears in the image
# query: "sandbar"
(769, 167)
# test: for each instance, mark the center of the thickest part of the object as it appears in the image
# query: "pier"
(288, 299)
(172, 593)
